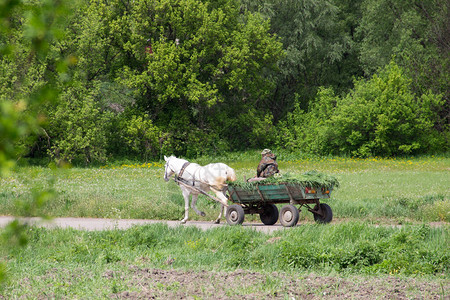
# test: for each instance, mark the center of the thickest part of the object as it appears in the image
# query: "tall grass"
(69, 263)
(395, 190)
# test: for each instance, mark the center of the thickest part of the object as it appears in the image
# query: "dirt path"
(93, 224)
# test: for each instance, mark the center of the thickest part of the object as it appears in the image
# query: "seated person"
(267, 166)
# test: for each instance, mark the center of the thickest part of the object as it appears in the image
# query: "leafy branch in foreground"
(40, 24)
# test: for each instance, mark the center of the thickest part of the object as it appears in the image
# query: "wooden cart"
(262, 200)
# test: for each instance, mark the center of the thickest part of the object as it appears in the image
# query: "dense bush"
(380, 116)
(76, 128)
(142, 136)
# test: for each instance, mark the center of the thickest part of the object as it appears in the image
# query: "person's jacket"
(267, 166)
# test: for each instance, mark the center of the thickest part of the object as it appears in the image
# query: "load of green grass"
(310, 179)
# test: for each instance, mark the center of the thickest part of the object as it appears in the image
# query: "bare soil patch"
(143, 283)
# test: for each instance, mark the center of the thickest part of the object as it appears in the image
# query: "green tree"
(192, 66)
(383, 116)
(318, 37)
(415, 35)
(76, 127)
(142, 136)
(380, 116)
(208, 64)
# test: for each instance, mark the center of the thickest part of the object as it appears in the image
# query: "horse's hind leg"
(194, 205)
(224, 201)
(217, 221)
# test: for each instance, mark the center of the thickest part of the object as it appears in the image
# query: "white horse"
(211, 177)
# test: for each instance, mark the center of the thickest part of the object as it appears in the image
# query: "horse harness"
(180, 174)
(186, 183)
(178, 178)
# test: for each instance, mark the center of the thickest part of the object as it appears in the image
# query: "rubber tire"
(289, 215)
(270, 214)
(235, 215)
(328, 214)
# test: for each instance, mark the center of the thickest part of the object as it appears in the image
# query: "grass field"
(79, 264)
(381, 190)
(353, 257)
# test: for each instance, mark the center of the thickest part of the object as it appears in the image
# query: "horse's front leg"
(194, 205)
(186, 205)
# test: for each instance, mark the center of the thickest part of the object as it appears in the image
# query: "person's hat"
(266, 151)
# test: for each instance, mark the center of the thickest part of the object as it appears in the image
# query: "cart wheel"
(235, 214)
(327, 214)
(269, 216)
(289, 215)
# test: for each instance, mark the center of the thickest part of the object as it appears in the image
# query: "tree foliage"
(207, 65)
(191, 67)
(416, 35)
(76, 127)
(379, 116)
(191, 77)
(318, 38)
(142, 136)
(27, 32)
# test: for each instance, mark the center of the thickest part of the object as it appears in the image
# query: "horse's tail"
(231, 174)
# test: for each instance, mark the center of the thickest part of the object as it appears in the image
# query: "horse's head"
(168, 170)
